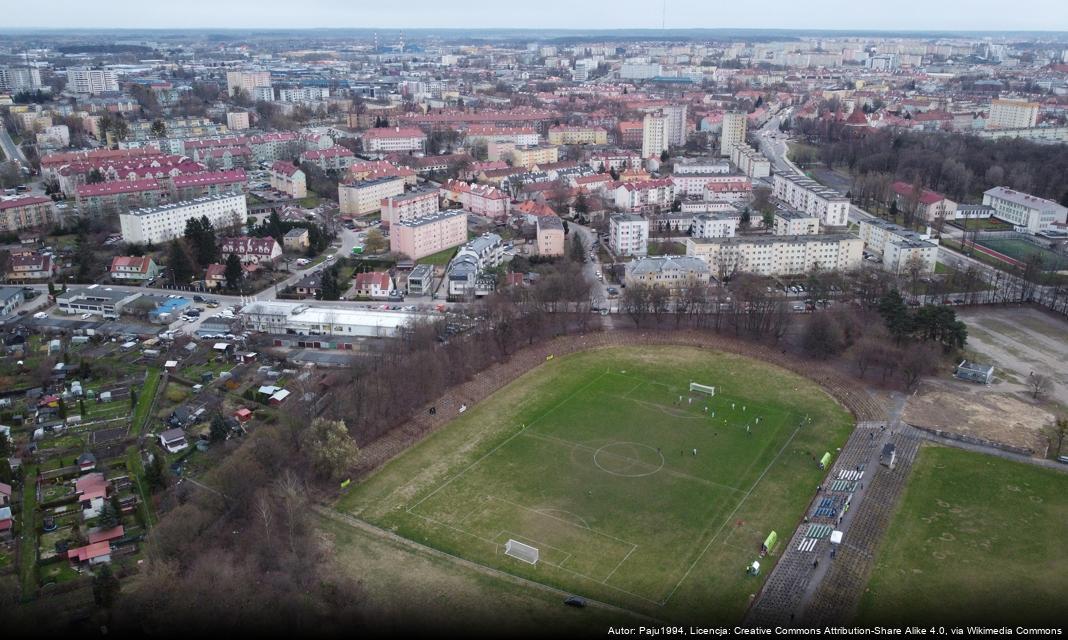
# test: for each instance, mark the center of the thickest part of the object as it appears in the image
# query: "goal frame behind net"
(522, 552)
(702, 388)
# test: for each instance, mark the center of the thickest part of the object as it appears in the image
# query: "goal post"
(521, 551)
(702, 388)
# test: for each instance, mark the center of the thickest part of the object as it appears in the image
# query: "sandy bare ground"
(1019, 341)
(978, 411)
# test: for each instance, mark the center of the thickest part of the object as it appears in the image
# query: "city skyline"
(834, 15)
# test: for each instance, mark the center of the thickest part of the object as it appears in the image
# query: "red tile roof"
(23, 201)
(116, 187)
(88, 552)
(106, 535)
(207, 178)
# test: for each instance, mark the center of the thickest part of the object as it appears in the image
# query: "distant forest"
(959, 166)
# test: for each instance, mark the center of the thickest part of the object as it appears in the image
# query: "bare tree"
(1040, 384)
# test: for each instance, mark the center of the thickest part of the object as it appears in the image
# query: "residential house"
(135, 268)
(296, 239)
(251, 250)
(373, 284)
(173, 440)
(30, 266)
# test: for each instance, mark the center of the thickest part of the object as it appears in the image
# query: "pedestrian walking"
(695, 452)
(816, 563)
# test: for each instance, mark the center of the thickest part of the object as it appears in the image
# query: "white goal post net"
(702, 388)
(521, 551)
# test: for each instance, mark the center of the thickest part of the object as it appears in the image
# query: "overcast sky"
(1045, 15)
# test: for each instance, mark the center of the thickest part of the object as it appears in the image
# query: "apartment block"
(715, 225)
(248, 81)
(809, 196)
(795, 223)
(777, 255)
(365, 196)
(550, 236)
(26, 212)
(91, 81)
(166, 222)
(426, 235)
(413, 204)
(750, 161)
(394, 139)
(1012, 114)
(732, 131)
(577, 135)
(289, 179)
(899, 247)
(628, 234)
(654, 135)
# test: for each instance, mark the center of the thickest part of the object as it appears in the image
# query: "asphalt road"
(12, 150)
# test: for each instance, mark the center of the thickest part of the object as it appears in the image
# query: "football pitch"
(976, 539)
(634, 490)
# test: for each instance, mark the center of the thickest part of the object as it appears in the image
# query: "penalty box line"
(730, 516)
(507, 440)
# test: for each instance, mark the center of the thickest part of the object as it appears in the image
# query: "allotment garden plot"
(626, 483)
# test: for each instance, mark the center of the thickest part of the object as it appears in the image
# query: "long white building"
(778, 255)
(1025, 212)
(809, 196)
(166, 222)
(301, 319)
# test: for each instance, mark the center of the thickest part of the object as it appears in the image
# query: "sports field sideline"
(633, 489)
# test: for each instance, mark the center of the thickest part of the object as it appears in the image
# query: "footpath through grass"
(977, 539)
(145, 398)
(632, 495)
(28, 534)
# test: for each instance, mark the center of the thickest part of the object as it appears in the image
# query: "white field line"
(509, 439)
(730, 517)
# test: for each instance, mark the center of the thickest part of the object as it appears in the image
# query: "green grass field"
(590, 458)
(1023, 250)
(976, 539)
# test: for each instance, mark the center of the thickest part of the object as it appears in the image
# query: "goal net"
(521, 551)
(702, 388)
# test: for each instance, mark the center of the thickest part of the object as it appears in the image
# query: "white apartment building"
(394, 139)
(675, 115)
(796, 223)
(639, 70)
(750, 161)
(1012, 114)
(777, 255)
(248, 81)
(303, 94)
(1025, 212)
(166, 222)
(365, 196)
(237, 120)
(16, 79)
(811, 197)
(715, 225)
(654, 135)
(732, 131)
(711, 166)
(900, 248)
(628, 234)
(86, 80)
